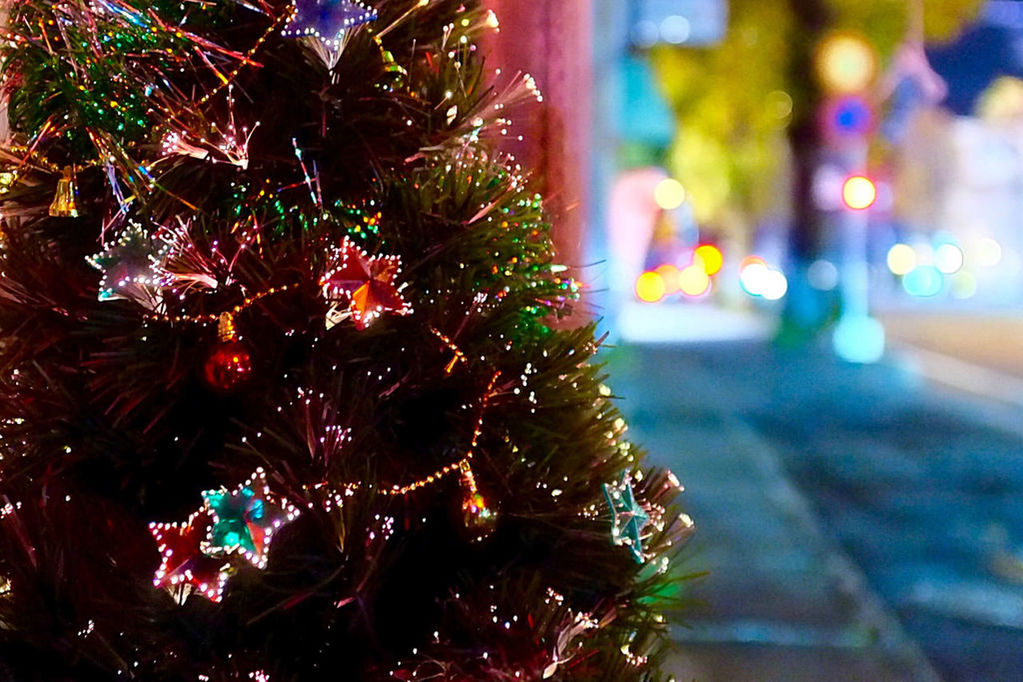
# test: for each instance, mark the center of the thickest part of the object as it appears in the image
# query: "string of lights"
(459, 355)
(210, 318)
(463, 465)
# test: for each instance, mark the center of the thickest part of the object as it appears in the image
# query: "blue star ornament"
(628, 518)
(327, 20)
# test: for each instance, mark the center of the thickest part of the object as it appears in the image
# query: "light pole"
(858, 337)
(846, 67)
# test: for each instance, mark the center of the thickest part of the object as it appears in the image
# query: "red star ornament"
(183, 566)
(366, 284)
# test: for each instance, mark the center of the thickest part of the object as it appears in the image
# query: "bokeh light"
(675, 29)
(859, 339)
(859, 193)
(757, 279)
(948, 258)
(901, 259)
(988, 253)
(924, 281)
(751, 260)
(752, 277)
(669, 194)
(822, 275)
(775, 285)
(845, 63)
(964, 285)
(669, 274)
(646, 34)
(779, 103)
(709, 257)
(848, 116)
(650, 287)
(693, 281)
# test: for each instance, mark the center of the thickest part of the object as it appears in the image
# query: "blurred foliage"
(722, 97)
(734, 100)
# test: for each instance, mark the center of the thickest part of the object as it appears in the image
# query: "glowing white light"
(775, 285)
(948, 258)
(988, 253)
(676, 29)
(752, 278)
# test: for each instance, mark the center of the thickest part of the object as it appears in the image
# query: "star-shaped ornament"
(362, 287)
(327, 21)
(132, 267)
(243, 521)
(183, 566)
(628, 518)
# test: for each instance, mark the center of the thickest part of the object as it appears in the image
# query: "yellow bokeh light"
(859, 193)
(901, 259)
(669, 194)
(693, 281)
(650, 287)
(709, 257)
(668, 273)
(964, 285)
(846, 63)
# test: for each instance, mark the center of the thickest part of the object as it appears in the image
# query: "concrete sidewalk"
(978, 353)
(993, 341)
(781, 601)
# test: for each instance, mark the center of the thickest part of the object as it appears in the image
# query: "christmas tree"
(284, 396)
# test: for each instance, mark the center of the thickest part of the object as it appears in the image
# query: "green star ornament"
(245, 520)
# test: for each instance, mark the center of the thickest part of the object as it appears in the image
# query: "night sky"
(985, 52)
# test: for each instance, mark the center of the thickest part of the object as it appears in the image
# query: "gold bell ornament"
(480, 519)
(64, 205)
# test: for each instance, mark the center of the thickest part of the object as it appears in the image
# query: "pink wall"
(551, 40)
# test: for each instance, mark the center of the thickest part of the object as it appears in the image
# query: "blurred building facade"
(552, 40)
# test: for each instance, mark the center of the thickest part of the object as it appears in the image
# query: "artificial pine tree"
(281, 393)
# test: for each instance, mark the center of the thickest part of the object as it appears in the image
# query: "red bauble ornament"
(229, 366)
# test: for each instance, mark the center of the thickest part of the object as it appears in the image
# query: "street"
(857, 522)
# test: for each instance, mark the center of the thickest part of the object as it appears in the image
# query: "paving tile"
(781, 600)
(849, 500)
(772, 663)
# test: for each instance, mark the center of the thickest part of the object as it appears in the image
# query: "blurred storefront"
(551, 41)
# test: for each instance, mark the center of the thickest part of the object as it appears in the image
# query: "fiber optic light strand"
(247, 60)
(210, 318)
(464, 465)
(459, 355)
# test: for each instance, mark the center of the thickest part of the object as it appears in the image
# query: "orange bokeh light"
(751, 260)
(669, 273)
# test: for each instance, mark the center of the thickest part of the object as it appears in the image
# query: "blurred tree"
(748, 106)
(732, 110)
